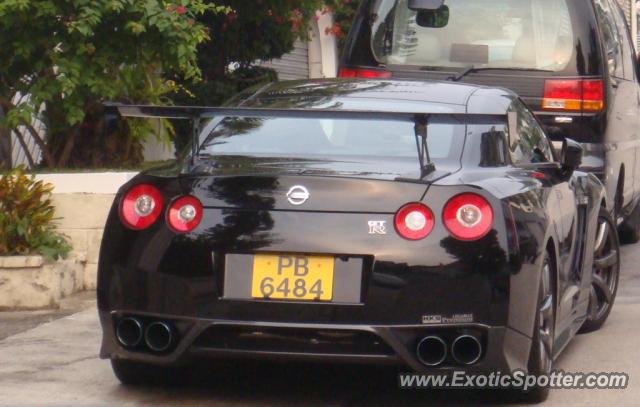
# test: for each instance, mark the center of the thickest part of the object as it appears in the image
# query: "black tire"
(630, 229)
(541, 356)
(605, 273)
(141, 374)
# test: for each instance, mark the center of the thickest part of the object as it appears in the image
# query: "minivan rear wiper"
(472, 69)
(422, 132)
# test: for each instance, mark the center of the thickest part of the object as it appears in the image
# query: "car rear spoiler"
(197, 114)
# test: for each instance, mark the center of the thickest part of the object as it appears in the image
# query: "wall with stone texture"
(82, 218)
(82, 203)
(30, 283)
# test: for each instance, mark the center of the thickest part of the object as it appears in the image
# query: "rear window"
(291, 137)
(525, 34)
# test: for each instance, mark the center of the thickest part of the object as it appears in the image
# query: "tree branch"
(27, 153)
(68, 146)
(5, 145)
(7, 105)
(46, 154)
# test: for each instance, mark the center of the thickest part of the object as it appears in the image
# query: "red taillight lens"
(414, 221)
(363, 73)
(184, 214)
(592, 95)
(468, 217)
(141, 207)
(577, 95)
(347, 73)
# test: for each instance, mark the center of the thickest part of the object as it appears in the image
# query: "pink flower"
(181, 9)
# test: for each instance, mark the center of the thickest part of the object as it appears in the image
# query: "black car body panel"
(399, 291)
(611, 137)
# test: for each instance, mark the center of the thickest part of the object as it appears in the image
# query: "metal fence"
(24, 149)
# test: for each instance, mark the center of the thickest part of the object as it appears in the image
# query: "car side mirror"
(570, 156)
(437, 18)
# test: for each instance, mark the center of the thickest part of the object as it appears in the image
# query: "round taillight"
(184, 214)
(141, 207)
(468, 217)
(414, 221)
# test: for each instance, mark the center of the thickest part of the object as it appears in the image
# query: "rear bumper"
(503, 349)
(405, 287)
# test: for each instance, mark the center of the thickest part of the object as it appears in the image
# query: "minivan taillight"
(140, 207)
(414, 221)
(573, 95)
(363, 73)
(184, 214)
(468, 217)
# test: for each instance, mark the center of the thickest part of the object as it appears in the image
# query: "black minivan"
(571, 61)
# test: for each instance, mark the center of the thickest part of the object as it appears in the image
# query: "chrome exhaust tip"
(159, 336)
(129, 332)
(431, 350)
(466, 349)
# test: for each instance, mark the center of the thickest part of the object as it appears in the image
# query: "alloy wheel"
(546, 318)
(604, 279)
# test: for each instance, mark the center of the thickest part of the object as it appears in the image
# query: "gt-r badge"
(298, 195)
(377, 227)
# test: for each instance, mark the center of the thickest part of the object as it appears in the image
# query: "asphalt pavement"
(51, 358)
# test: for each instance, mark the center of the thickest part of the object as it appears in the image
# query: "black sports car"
(423, 224)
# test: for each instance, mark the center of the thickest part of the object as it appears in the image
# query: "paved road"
(56, 363)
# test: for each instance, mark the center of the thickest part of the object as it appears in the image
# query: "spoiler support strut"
(422, 133)
(195, 137)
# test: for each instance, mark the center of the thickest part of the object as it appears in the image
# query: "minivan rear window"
(524, 34)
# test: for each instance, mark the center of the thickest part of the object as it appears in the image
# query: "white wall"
(82, 203)
(323, 49)
(318, 58)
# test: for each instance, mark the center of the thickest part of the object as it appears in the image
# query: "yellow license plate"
(292, 277)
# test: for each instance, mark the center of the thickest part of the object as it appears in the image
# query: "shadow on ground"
(251, 383)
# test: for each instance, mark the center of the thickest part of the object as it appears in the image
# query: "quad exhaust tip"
(466, 349)
(159, 336)
(129, 332)
(431, 350)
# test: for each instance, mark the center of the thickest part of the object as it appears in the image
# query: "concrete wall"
(82, 203)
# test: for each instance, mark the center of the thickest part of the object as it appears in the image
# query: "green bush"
(27, 218)
(71, 56)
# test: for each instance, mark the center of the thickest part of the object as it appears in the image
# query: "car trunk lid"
(311, 185)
